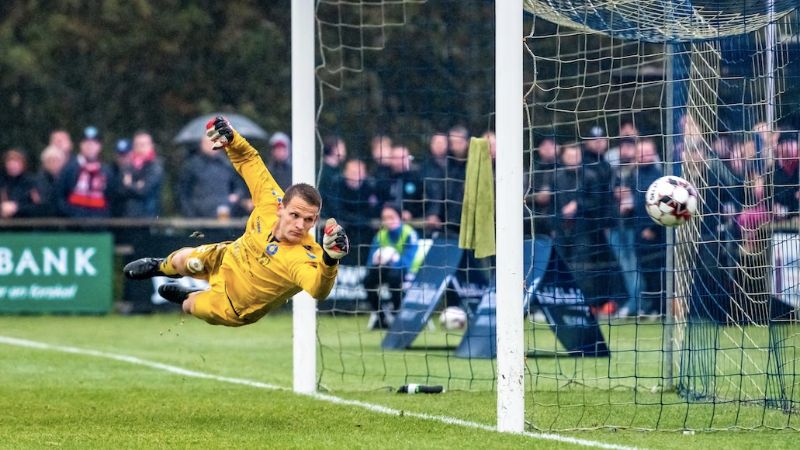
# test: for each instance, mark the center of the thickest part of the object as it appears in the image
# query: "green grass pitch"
(50, 398)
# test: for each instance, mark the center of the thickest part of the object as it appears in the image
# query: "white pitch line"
(322, 397)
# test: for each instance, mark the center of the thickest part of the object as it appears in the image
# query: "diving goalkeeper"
(274, 259)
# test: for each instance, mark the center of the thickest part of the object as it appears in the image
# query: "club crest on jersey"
(272, 248)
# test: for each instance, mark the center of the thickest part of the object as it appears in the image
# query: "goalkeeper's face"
(295, 219)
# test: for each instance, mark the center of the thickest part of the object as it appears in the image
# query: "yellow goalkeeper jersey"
(259, 272)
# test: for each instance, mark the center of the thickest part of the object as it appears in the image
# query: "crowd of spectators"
(81, 184)
(585, 194)
(76, 181)
(589, 197)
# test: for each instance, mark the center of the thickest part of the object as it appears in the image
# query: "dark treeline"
(125, 65)
(155, 64)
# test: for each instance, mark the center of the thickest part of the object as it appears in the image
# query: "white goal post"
(509, 129)
(304, 307)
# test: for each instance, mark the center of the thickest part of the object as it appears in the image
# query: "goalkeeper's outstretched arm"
(245, 160)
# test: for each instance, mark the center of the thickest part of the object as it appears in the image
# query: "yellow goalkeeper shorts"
(214, 305)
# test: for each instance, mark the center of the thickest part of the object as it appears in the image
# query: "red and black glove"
(220, 131)
(335, 244)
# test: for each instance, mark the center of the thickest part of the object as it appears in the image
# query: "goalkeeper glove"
(220, 131)
(334, 242)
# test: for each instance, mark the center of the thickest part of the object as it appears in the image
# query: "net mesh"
(719, 346)
(661, 20)
(394, 77)
(687, 329)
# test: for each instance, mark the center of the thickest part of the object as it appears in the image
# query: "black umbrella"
(196, 128)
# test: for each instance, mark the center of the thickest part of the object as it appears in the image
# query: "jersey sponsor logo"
(272, 248)
(258, 224)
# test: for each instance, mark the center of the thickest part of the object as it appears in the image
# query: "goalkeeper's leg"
(195, 262)
(177, 293)
(173, 266)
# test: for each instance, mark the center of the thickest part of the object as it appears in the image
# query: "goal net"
(699, 320)
(628, 324)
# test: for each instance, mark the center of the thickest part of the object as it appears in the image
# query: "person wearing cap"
(18, 194)
(275, 258)
(120, 166)
(279, 162)
(138, 185)
(601, 279)
(84, 189)
(394, 258)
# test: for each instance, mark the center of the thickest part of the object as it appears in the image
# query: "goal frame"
(509, 132)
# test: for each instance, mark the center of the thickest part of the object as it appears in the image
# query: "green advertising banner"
(55, 272)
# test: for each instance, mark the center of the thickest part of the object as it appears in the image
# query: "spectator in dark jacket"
(381, 150)
(720, 191)
(139, 182)
(583, 247)
(597, 180)
(209, 186)
(787, 175)
(120, 166)
(404, 186)
(356, 207)
(453, 195)
(650, 237)
(84, 189)
(334, 153)
(53, 160)
(622, 233)
(539, 189)
(18, 194)
(434, 176)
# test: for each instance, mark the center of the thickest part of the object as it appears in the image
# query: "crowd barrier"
(74, 265)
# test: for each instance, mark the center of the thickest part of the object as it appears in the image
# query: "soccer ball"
(671, 201)
(385, 256)
(453, 318)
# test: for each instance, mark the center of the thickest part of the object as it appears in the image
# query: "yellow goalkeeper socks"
(166, 266)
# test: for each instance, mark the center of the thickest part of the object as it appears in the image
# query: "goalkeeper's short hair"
(304, 191)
